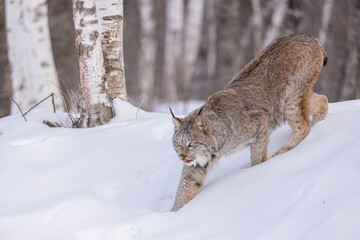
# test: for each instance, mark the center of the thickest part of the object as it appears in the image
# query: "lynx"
(273, 88)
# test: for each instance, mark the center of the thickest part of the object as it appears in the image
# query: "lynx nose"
(182, 156)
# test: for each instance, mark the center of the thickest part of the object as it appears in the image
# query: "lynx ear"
(200, 122)
(177, 121)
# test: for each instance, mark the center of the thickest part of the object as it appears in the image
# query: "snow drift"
(119, 181)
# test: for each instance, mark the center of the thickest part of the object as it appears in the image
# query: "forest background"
(177, 50)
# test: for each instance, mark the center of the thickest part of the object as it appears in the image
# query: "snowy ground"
(119, 181)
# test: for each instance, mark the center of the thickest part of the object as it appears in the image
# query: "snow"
(119, 181)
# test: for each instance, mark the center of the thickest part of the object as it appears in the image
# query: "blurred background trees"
(176, 50)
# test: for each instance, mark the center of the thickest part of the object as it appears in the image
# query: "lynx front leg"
(298, 119)
(258, 148)
(191, 181)
(318, 107)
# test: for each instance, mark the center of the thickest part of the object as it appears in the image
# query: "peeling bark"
(96, 106)
(110, 17)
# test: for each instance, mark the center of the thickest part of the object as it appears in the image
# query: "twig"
(51, 95)
(142, 101)
(22, 114)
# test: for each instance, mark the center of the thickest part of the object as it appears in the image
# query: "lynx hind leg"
(297, 116)
(318, 107)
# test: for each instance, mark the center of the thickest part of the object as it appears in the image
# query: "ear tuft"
(200, 122)
(177, 123)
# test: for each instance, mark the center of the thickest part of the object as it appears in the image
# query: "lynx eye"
(178, 144)
(191, 144)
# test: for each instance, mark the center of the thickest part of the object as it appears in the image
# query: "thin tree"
(96, 104)
(148, 47)
(5, 79)
(29, 48)
(110, 18)
(173, 39)
(191, 45)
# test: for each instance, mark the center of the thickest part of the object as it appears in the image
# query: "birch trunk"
(325, 20)
(191, 45)
(30, 55)
(228, 33)
(5, 79)
(173, 41)
(97, 108)
(276, 21)
(257, 20)
(351, 81)
(110, 17)
(147, 52)
(212, 38)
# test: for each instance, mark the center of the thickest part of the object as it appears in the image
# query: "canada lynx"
(273, 88)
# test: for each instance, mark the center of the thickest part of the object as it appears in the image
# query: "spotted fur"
(273, 88)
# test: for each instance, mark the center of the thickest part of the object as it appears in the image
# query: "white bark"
(110, 18)
(192, 38)
(98, 106)
(30, 55)
(325, 20)
(276, 20)
(147, 52)
(257, 21)
(173, 41)
(212, 36)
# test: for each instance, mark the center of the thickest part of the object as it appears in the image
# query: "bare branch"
(51, 95)
(23, 115)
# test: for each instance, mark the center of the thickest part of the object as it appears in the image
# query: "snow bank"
(118, 181)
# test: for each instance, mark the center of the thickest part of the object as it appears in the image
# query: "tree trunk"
(191, 45)
(325, 20)
(277, 18)
(110, 17)
(351, 87)
(148, 47)
(228, 33)
(96, 106)
(62, 34)
(173, 41)
(258, 25)
(32, 65)
(5, 79)
(294, 16)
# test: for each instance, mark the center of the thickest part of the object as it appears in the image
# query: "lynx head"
(192, 139)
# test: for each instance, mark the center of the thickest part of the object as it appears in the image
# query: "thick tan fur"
(273, 88)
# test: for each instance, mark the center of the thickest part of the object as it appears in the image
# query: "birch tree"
(351, 80)
(30, 55)
(258, 25)
(325, 20)
(96, 106)
(5, 80)
(277, 18)
(228, 18)
(148, 49)
(110, 18)
(173, 39)
(191, 45)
